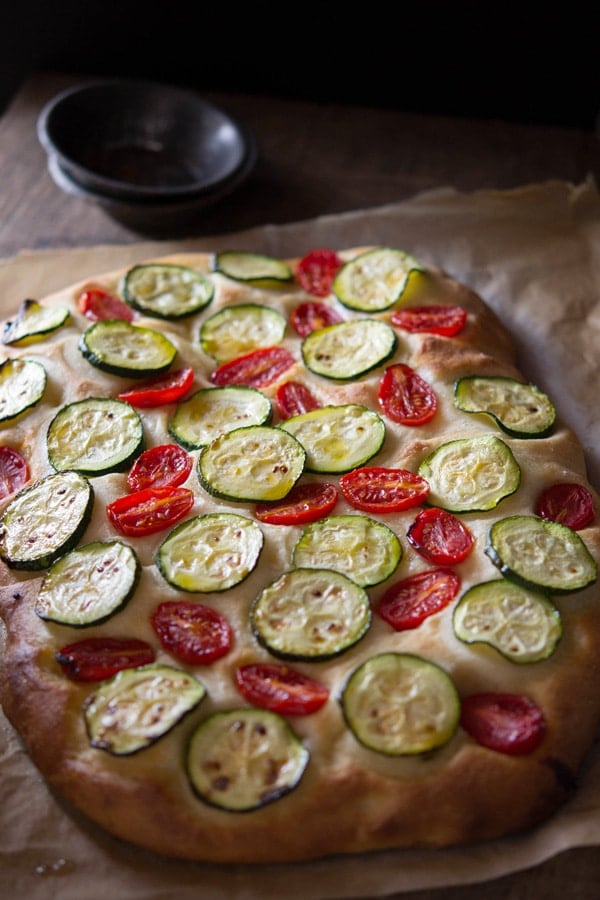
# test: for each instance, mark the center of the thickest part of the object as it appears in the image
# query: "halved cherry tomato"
(150, 510)
(97, 658)
(378, 489)
(571, 504)
(444, 320)
(305, 503)
(193, 632)
(280, 689)
(294, 398)
(316, 270)
(167, 464)
(440, 537)
(405, 397)
(507, 723)
(258, 369)
(312, 315)
(409, 602)
(161, 390)
(96, 303)
(14, 471)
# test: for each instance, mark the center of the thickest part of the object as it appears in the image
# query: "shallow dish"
(141, 140)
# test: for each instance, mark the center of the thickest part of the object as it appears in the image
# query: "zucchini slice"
(310, 614)
(22, 386)
(251, 464)
(89, 584)
(374, 280)
(34, 322)
(167, 291)
(252, 268)
(337, 438)
(212, 412)
(237, 330)
(521, 624)
(399, 704)
(359, 547)
(348, 350)
(521, 410)
(242, 759)
(45, 520)
(120, 348)
(212, 552)
(95, 436)
(541, 554)
(136, 707)
(470, 474)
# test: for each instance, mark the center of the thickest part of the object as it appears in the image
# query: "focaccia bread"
(332, 589)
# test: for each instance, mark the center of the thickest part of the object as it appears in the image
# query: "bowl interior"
(138, 138)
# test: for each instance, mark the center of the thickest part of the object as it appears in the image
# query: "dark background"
(507, 61)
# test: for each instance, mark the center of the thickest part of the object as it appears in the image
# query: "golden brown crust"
(350, 799)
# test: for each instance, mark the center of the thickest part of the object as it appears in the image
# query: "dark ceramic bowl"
(141, 141)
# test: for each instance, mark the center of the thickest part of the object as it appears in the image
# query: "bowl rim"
(122, 189)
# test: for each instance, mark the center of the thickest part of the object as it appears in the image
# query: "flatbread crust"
(350, 799)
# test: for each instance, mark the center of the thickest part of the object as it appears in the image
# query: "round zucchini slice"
(45, 520)
(212, 412)
(521, 410)
(521, 624)
(374, 280)
(359, 547)
(120, 348)
(399, 704)
(470, 474)
(311, 614)
(337, 438)
(22, 386)
(94, 436)
(541, 554)
(252, 268)
(89, 584)
(348, 350)
(242, 759)
(34, 322)
(167, 291)
(251, 464)
(136, 707)
(212, 552)
(237, 330)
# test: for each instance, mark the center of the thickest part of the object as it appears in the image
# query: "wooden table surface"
(318, 158)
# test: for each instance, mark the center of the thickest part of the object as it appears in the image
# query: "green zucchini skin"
(22, 386)
(45, 520)
(167, 291)
(520, 410)
(348, 350)
(109, 345)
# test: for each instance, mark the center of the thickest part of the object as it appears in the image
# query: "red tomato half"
(293, 398)
(150, 510)
(194, 633)
(570, 504)
(159, 391)
(312, 315)
(507, 723)
(316, 270)
(96, 303)
(405, 397)
(258, 369)
(167, 464)
(304, 503)
(95, 659)
(280, 689)
(409, 602)
(377, 489)
(440, 537)
(14, 471)
(444, 320)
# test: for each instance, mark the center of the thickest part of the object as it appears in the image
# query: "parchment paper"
(533, 254)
